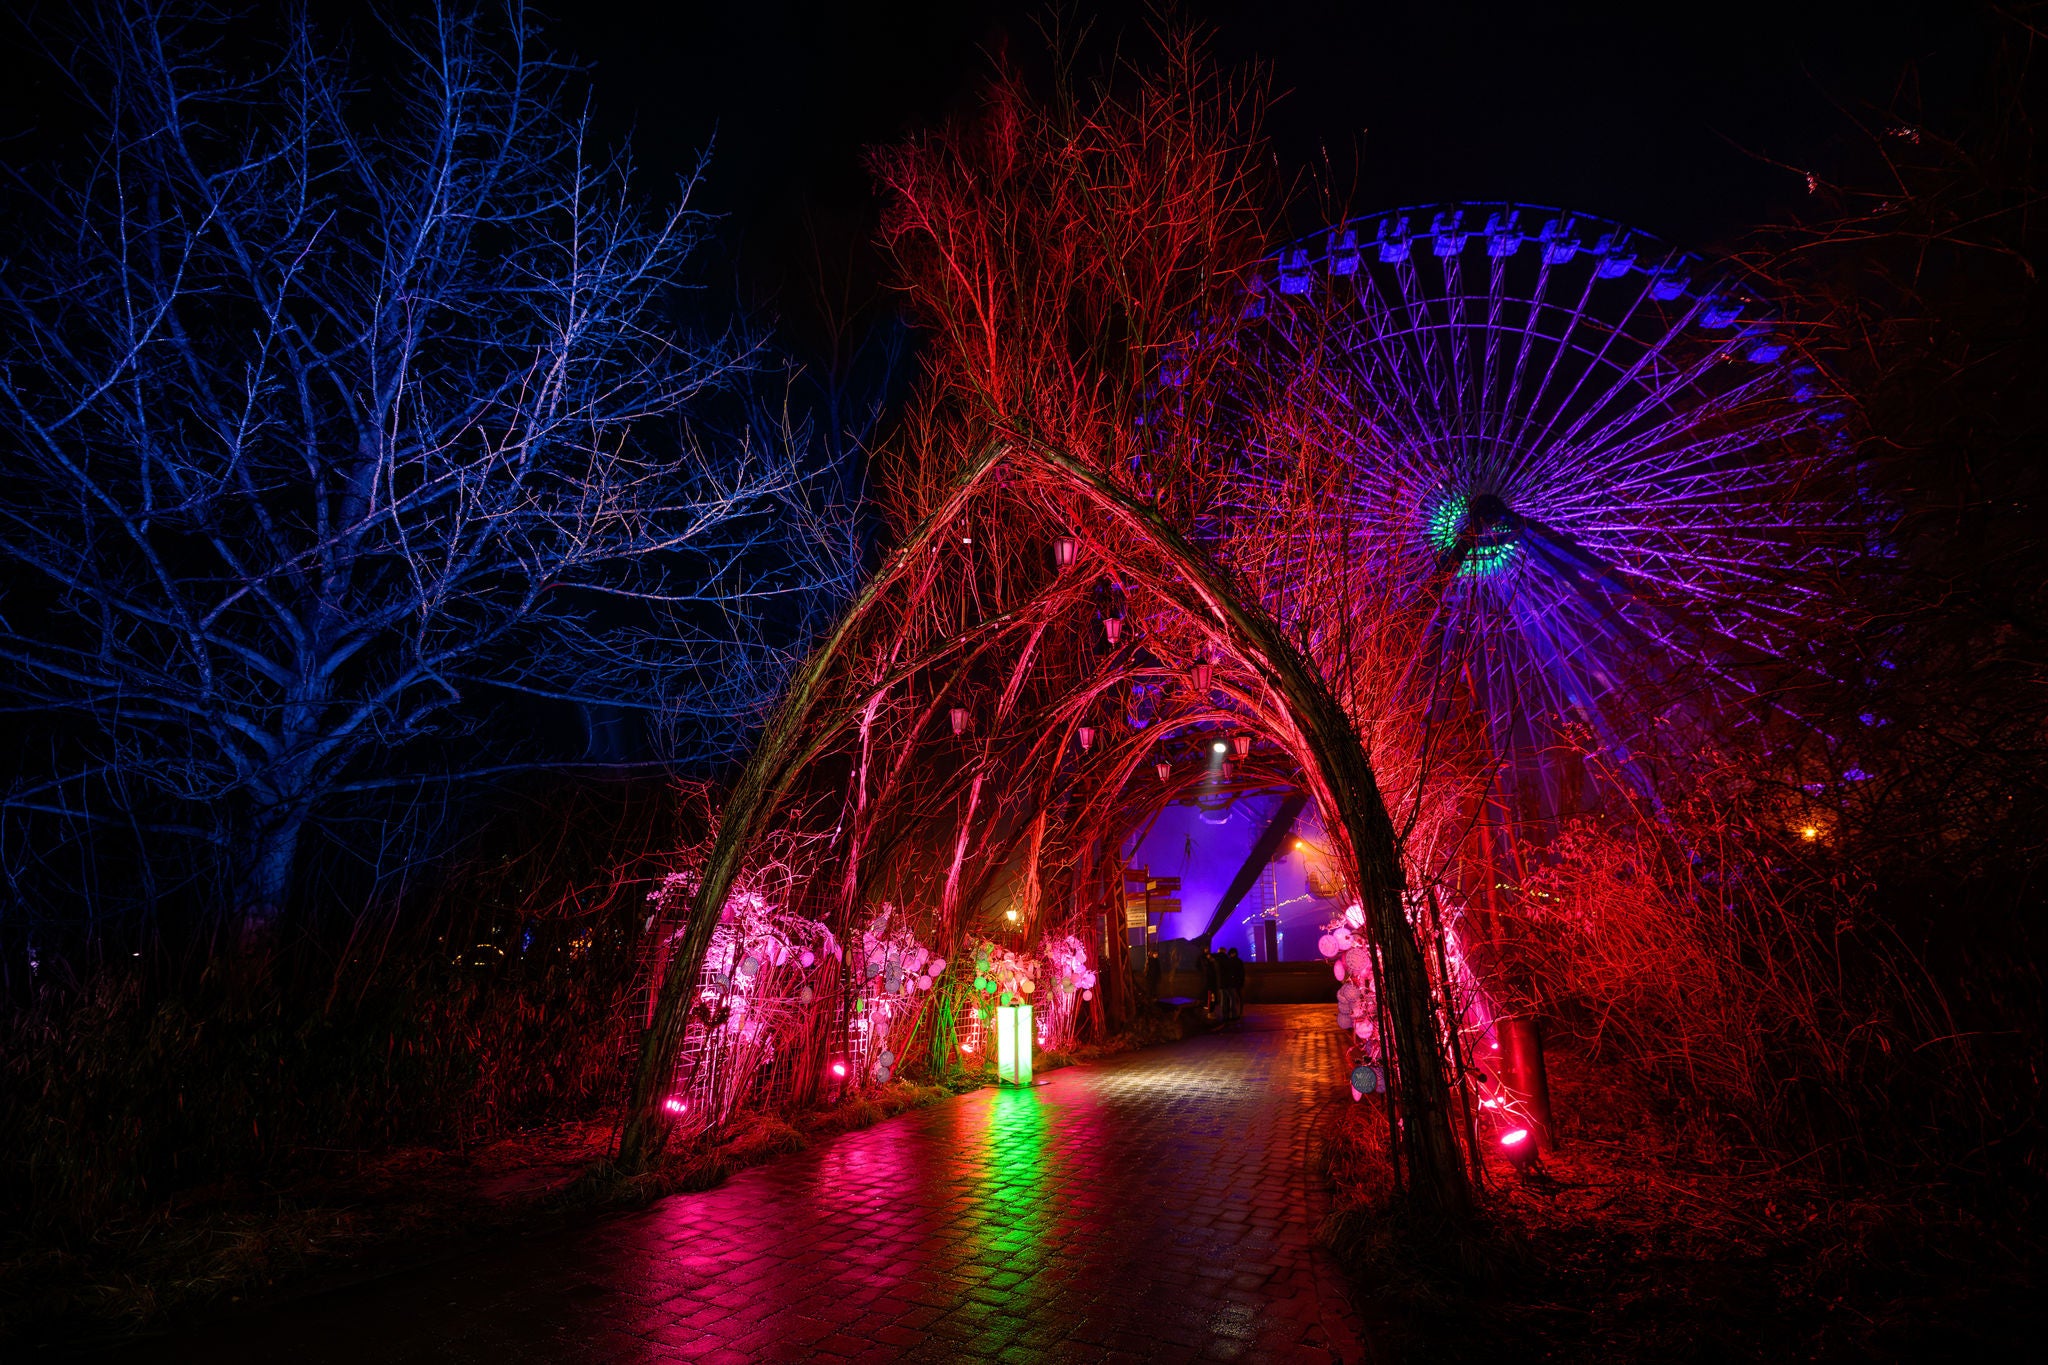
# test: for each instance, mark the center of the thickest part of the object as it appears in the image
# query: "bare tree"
(335, 408)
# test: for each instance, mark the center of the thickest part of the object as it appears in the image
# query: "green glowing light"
(1014, 1039)
(1492, 550)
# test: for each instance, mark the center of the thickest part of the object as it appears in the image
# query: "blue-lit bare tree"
(336, 411)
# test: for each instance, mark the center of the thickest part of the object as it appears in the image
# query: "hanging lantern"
(1242, 743)
(1064, 551)
(1165, 770)
(959, 714)
(1086, 734)
(1112, 628)
(1202, 674)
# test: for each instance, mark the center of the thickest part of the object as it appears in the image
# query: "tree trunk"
(264, 864)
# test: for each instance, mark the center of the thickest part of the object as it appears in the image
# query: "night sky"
(1659, 114)
(1654, 114)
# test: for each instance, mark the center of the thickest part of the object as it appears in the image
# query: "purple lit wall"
(1206, 848)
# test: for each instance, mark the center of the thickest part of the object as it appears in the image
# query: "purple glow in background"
(1206, 848)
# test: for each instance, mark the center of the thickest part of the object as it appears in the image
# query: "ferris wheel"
(1603, 473)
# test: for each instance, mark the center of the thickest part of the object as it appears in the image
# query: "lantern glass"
(959, 719)
(1086, 734)
(1112, 628)
(1063, 551)
(1243, 744)
(1014, 1038)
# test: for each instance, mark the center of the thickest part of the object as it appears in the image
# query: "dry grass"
(332, 1215)
(371, 1213)
(1639, 1240)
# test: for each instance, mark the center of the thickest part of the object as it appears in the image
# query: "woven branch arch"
(838, 692)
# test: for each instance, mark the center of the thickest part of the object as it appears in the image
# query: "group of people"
(1223, 975)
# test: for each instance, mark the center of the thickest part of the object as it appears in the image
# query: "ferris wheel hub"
(1486, 512)
(1474, 534)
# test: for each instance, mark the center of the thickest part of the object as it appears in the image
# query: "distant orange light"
(1810, 832)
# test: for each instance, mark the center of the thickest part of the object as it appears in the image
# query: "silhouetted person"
(1212, 984)
(1232, 973)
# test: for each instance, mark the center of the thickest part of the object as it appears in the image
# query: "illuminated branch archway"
(1080, 272)
(1298, 710)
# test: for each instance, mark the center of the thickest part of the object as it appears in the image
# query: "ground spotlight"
(1519, 1147)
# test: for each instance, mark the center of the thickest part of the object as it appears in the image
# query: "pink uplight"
(1516, 1138)
(839, 1068)
(674, 1105)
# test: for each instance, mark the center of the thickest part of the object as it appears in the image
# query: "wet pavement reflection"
(1158, 1206)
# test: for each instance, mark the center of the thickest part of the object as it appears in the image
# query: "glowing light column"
(1014, 1039)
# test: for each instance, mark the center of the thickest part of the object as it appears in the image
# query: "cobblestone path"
(1159, 1206)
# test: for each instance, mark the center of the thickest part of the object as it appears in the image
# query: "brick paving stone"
(1159, 1206)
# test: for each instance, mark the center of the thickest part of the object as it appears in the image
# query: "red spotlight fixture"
(959, 715)
(1519, 1147)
